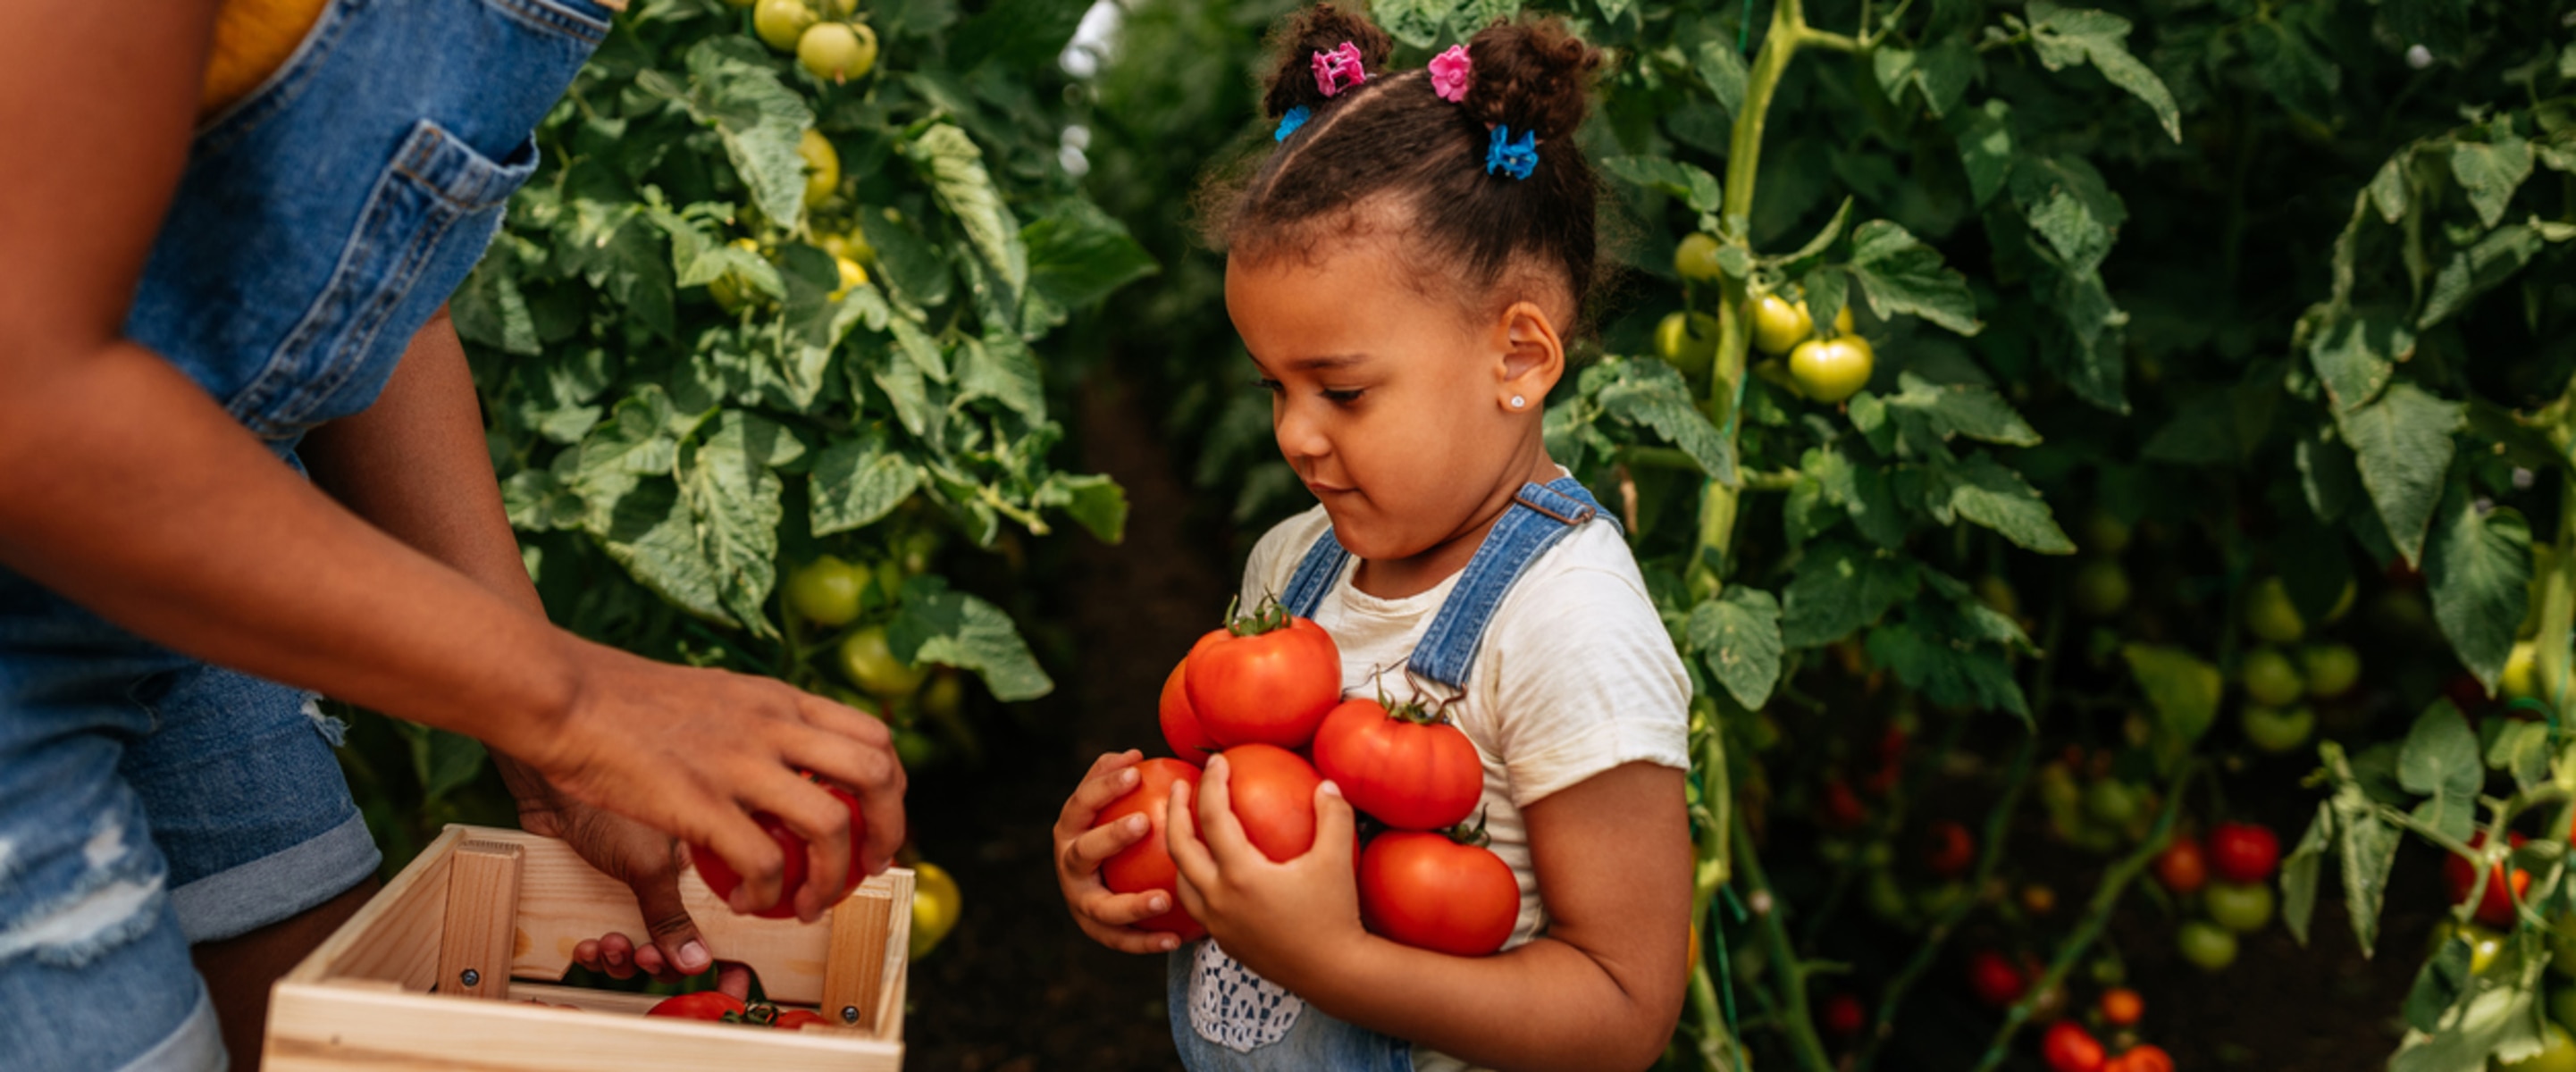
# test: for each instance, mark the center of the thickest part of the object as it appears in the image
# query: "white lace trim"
(1233, 1008)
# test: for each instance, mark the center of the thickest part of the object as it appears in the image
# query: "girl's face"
(1394, 408)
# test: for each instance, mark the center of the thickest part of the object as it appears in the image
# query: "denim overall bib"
(147, 800)
(1224, 1017)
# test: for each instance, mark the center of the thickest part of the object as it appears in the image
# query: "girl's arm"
(124, 487)
(1601, 989)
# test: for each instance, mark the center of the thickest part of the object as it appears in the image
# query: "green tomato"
(1831, 370)
(2208, 946)
(2332, 669)
(2111, 802)
(915, 748)
(730, 290)
(2269, 678)
(2521, 677)
(2273, 730)
(2101, 588)
(827, 591)
(822, 164)
(2243, 907)
(2557, 1054)
(1696, 258)
(779, 23)
(869, 662)
(945, 695)
(837, 52)
(2105, 534)
(2271, 615)
(1778, 326)
(1687, 341)
(2485, 944)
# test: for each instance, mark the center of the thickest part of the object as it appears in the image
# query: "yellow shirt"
(253, 38)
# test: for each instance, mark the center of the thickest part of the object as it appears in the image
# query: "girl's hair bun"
(1531, 74)
(1321, 28)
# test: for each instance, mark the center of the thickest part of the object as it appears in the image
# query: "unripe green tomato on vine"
(730, 290)
(2269, 678)
(1831, 370)
(1779, 326)
(1687, 341)
(2331, 669)
(2208, 946)
(869, 662)
(2276, 730)
(838, 52)
(2105, 534)
(1696, 258)
(778, 23)
(2111, 802)
(822, 164)
(828, 591)
(2271, 615)
(2101, 588)
(2484, 943)
(2243, 907)
(2521, 678)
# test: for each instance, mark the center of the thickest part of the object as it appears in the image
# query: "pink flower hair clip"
(1339, 69)
(1450, 72)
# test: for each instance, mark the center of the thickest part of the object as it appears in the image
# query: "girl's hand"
(1109, 918)
(1283, 920)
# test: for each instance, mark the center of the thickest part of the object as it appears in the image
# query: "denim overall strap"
(1539, 516)
(1315, 576)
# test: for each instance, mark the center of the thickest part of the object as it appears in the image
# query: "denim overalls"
(1226, 1018)
(148, 800)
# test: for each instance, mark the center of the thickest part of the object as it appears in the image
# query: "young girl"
(1403, 268)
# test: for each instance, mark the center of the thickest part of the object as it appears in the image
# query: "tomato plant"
(1436, 891)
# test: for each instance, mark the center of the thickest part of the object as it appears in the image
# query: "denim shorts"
(149, 801)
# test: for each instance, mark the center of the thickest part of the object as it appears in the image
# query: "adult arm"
(124, 487)
(1601, 989)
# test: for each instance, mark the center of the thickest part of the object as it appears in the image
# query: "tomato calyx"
(1269, 617)
(1473, 835)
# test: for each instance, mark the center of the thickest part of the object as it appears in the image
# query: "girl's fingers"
(1084, 854)
(1181, 838)
(1336, 827)
(1131, 941)
(1100, 789)
(1218, 828)
(1127, 909)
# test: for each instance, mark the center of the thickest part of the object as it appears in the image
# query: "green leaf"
(1816, 246)
(1960, 410)
(2182, 689)
(2070, 205)
(2326, 474)
(2065, 36)
(1000, 367)
(2299, 872)
(1738, 636)
(731, 488)
(2292, 69)
(734, 86)
(857, 482)
(2477, 567)
(1988, 493)
(1838, 588)
(917, 271)
(645, 528)
(914, 359)
(1016, 33)
(2522, 749)
(1651, 394)
(1722, 68)
(2490, 171)
(1948, 672)
(489, 310)
(954, 167)
(1695, 186)
(2403, 445)
(1902, 275)
(949, 628)
(1986, 148)
(539, 501)
(2479, 268)
(1861, 491)
(2355, 356)
(2369, 849)
(443, 762)
(1094, 501)
(1079, 255)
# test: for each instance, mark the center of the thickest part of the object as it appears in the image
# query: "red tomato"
(703, 1005)
(2183, 868)
(1411, 772)
(2495, 906)
(2243, 852)
(1993, 979)
(1842, 809)
(1180, 724)
(1842, 1015)
(2069, 1048)
(2122, 1007)
(2145, 1057)
(1268, 678)
(1147, 865)
(1430, 892)
(1273, 796)
(798, 1019)
(1949, 849)
(721, 878)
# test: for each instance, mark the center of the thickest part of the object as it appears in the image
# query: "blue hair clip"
(1290, 120)
(1516, 158)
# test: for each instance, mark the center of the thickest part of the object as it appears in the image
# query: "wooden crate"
(435, 971)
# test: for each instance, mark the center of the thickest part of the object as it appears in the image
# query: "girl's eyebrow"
(1326, 361)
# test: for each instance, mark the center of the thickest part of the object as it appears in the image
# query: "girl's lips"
(1325, 489)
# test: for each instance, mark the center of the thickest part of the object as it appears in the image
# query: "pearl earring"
(1518, 401)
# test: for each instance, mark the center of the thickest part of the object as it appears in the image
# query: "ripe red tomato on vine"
(1948, 849)
(2495, 906)
(1995, 980)
(1407, 765)
(1268, 677)
(2183, 867)
(2067, 1047)
(2243, 852)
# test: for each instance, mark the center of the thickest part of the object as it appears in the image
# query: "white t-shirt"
(1575, 676)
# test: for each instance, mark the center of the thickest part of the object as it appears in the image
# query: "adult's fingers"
(1084, 853)
(823, 820)
(676, 944)
(871, 771)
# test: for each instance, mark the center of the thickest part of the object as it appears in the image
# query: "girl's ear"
(1533, 357)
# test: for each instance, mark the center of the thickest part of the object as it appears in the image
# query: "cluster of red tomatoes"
(1266, 691)
(2069, 1045)
(2242, 856)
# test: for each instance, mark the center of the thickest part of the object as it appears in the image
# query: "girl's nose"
(1300, 436)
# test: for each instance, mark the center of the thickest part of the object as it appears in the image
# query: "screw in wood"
(470, 977)
(849, 1014)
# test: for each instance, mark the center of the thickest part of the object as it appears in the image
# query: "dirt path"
(1018, 988)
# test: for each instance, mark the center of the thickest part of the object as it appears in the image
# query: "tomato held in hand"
(1272, 792)
(1180, 724)
(1269, 677)
(702, 1005)
(1147, 864)
(2243, 852)
(721, 878)
(2495, 906)
(2069, 1048)
(1993, 979)
(1407, 766)
(2182, 867)
(1431, 891)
